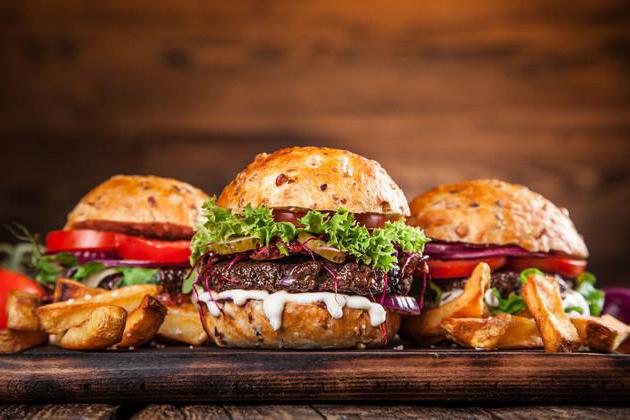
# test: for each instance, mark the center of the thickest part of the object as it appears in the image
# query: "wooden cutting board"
(210, 375)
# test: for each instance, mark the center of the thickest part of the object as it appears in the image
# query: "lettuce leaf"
(340, 230)
(593, 296)
(512, 305)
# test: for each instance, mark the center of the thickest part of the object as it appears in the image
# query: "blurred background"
(534, 92)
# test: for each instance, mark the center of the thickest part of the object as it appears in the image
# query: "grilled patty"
(301, 274)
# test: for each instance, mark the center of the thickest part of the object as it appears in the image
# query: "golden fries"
(12, 341)
(541, 294)
(604, 334)
(182, 323)
(21, 308)
(499, 332)
(427, 327)
(61, 316)
(143, 322)
(67, 289)
(103, 328)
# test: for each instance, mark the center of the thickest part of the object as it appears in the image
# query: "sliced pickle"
(236, 245)
(320, 248)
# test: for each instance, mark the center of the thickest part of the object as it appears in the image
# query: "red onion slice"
(406, 305)
(617, 303)
(449, 251)
(140, 264)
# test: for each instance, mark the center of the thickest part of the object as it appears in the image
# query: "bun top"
(147, 206)
(315, 178)
(498, 213)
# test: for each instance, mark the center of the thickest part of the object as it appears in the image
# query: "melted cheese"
(274, 303)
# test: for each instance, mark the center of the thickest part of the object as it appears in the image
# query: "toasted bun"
(140, 205)
(315, 178)
(304, 326)
(498, 213)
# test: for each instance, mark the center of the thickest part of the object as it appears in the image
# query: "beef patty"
(301, 274)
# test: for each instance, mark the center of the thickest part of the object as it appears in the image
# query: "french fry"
(61, 316)
(427, 327)
(143, 322)
(182, 323)
(604, 334)
(499, 332)
(67, 289)
(541, 295)
(103, 328)
(21, 308)
(12, 341)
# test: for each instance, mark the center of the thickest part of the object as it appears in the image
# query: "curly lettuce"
(340, 230)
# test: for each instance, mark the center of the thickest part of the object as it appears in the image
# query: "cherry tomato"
(288, 216)
(447, 269)
(566, 267)
(135, 248)
(10, 280)
(369, 220)
(81, 239)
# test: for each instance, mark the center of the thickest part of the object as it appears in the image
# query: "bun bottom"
(304, 326)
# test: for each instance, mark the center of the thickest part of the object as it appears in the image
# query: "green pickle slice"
(320, 248)
(236, 245)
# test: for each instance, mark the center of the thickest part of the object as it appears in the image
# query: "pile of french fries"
(85, 318)
(467, 321)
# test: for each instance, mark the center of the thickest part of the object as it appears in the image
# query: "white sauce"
(490, 299)
(451, 295)
(572, 298)
(273, 304)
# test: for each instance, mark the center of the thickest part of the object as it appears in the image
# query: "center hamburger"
(306, 248)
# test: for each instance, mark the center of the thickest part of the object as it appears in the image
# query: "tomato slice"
(566, 267)
(134, 248)
(10, 280)
(80, 239)
(369, 220)
(288, 216)
(448, 269)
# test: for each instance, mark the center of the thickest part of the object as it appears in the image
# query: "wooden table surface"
(315, 411)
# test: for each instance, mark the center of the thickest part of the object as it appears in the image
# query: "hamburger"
(512, 229)
(306, 248)
(128, 230)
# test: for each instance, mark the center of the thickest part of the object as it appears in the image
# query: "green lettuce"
(512, 305)
(593, 296)
(340, 230)
(585, 286)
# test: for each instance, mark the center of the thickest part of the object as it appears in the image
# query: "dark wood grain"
(58, 411)
(190, 412)
(535, 92)
(211, 375)
(319, 411)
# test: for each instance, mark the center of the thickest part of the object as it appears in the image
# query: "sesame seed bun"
(147, 206)
(492, 212)
(315, 178)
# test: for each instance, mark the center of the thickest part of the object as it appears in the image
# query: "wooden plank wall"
(531, 91)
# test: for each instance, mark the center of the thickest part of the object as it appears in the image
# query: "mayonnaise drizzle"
(273, 304)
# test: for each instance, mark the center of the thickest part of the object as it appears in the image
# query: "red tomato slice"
(81, 239)
(134, 248)
(288, 216)
(369, 220)
(447, 269)
(10, 280)
(566, 267)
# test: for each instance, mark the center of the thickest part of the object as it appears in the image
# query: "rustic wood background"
(532, 91)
